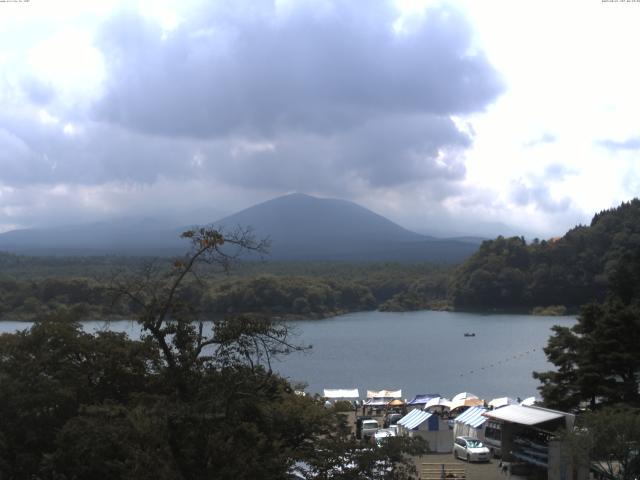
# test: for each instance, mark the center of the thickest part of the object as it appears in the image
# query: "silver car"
(471, 449)
(369, 428)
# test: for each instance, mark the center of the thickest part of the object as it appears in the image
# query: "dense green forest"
(31, 287)
(177, 404)
(505, 273)
(570, 271)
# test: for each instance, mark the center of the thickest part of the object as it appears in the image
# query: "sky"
(445, 116)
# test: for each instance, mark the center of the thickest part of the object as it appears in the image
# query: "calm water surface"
(424, 352)
(418, 352)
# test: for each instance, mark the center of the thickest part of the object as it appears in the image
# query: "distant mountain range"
(300, 227)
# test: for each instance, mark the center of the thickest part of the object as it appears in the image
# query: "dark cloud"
(632, 143)
(334, 93)
(33, 152)
(321, 97)
(259, 71)
(382, 153)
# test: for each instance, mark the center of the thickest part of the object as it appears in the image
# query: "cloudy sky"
(442, 115)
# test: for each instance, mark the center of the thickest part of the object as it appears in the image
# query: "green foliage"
(293, 290)
(182, 403)
(609, 438)
(571, 271)
(598, 360)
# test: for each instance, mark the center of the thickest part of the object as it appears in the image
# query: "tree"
(609, 438)
(598, 360)
(188, 401)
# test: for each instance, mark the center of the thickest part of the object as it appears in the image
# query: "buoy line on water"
(500, 362)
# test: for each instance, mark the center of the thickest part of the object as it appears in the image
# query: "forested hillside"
(76, 287)
(570, 271)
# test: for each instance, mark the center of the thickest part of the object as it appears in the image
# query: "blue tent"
(422, 399)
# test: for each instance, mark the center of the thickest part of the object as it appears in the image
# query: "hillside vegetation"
(33, 287)
(575, 269)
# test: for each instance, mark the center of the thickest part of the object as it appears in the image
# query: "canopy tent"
(341, 393)
(524, 415)
(438, 402)
(466, 402)
(384, 393)
(470, 423)
(396, 402)
(377, 402)
(472, 417)
(463, 396)
(502, 402)
(415, 418)
(428, 426)
(422, 399)
(529, 401)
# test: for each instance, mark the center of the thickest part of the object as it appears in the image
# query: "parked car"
(471, 449)
(391, 419)
(369, 428)
(381, 435)
(359, 421)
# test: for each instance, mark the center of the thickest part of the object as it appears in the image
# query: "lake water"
(418, 352)
(424, 352)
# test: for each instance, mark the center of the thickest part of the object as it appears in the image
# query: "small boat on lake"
(467, 334)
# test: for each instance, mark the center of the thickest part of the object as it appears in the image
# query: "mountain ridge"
(301, 227)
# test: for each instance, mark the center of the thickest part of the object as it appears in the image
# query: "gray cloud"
(37, 90)
(632, 143)
(324, 99)
(256, 71)
(537, 193)
(33, 152)
(337, 95)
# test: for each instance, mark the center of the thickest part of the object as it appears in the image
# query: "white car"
(369, 428)
(471, 449)
(381, 435)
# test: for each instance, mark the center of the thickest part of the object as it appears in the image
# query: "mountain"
(125, 236)
(300, 227)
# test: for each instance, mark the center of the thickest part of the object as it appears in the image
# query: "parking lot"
(472, 471)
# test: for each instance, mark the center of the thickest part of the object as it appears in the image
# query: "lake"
(424, 352)
(418, 352)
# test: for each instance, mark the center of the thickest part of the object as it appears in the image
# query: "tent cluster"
(432, 402)
(439, 420)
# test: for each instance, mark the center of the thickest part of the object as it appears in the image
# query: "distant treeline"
(505, 273)
(572, 270)
(289, 290)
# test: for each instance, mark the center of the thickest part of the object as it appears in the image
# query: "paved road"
(473, 471)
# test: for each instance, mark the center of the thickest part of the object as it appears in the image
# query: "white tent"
(384, 393)
(470, 423)
(466, 402)
(341, 393)
(463, 396)
(438, 402)
(529, 401)
(428, 426)
(502, 401)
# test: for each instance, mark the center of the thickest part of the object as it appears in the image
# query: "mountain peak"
(300, 227)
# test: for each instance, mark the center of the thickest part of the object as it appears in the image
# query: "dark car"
(391, 419)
